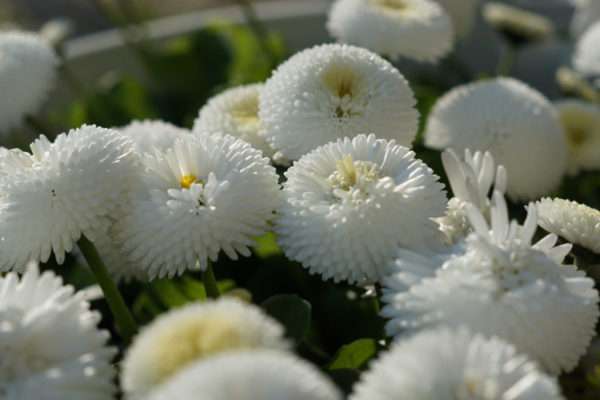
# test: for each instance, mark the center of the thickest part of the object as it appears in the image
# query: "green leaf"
(266, 246)
(354, 355)
(292, 311)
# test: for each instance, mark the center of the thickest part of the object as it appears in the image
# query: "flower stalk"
(210, 282)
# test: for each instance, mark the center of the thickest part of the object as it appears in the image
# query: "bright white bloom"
(64, 189)
(204, 195)
(499, 284)
(586, 59)
(449, 365)
(50, 346)
(27, 71)
(234, 112)
(249, 375)
(516, 23)
(587, 12)
(463, 14)
(334, 91)
(581, 123)
(416, 29)
(191, 333)
(150, 135)
(471, 181)
(514, 122)
(351, 204)
(577, 223)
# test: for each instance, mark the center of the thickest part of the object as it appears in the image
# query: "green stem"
(258, 27)
(507, 60)
(210, 282)
(123, 318)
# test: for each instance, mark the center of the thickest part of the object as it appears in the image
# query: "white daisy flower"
(234, 112)
(416, 29)
(447, 365)
(333, 91)
(195, 332)
(499, 284)
(50, 344)
(64, 189)
(463, 14)
(471, 181)
(257, 375)
(587, 12)
(581, 123)
(514, 122)
(517, 24)
(349, 205)
(204, 195)
(586, 59)
(27, 72)
(577, 223)
(150, 135)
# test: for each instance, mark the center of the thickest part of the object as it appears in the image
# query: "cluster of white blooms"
(475, 305)
(498, 283)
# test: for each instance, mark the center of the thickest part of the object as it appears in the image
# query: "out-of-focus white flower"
(234, 112)
(334, 91)
(416, 29)
(517, 24)
(586, 59)
(587, 12)
(581, 123)
(64, 189)
(463, 14)
(514, 122)
(27, 71)
(50, 344)
(249, 375)
(195, 332)
(499, 284)
(204, 195)
(447, 365)
(149, 136)
(471, 181)
(573, 82)
(350, 204)
(577, 223)
(57, 31)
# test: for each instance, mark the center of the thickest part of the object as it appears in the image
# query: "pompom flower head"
(416, 29)
(195, 332)
(499, 284)
(249, 375)
(334, 91)
(27, 71)
(446, 365)
(204, 195)
(62, 190)
(586, 59)
(581, 123)
(471, 180)
(150, 135)
(515, 123)
(577, 223)
(51, 346)
(350, 204)
(234, 112)
(462, 13)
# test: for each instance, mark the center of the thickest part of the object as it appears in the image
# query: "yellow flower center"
(187, 181)
(245, 113)
(344, 84)
(391, 6)
(194, 340)
(351, 174)
(577, 136)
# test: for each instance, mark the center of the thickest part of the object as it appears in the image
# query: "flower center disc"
(392, 6)
(246, 113)
(351, 174)
(187, 181)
